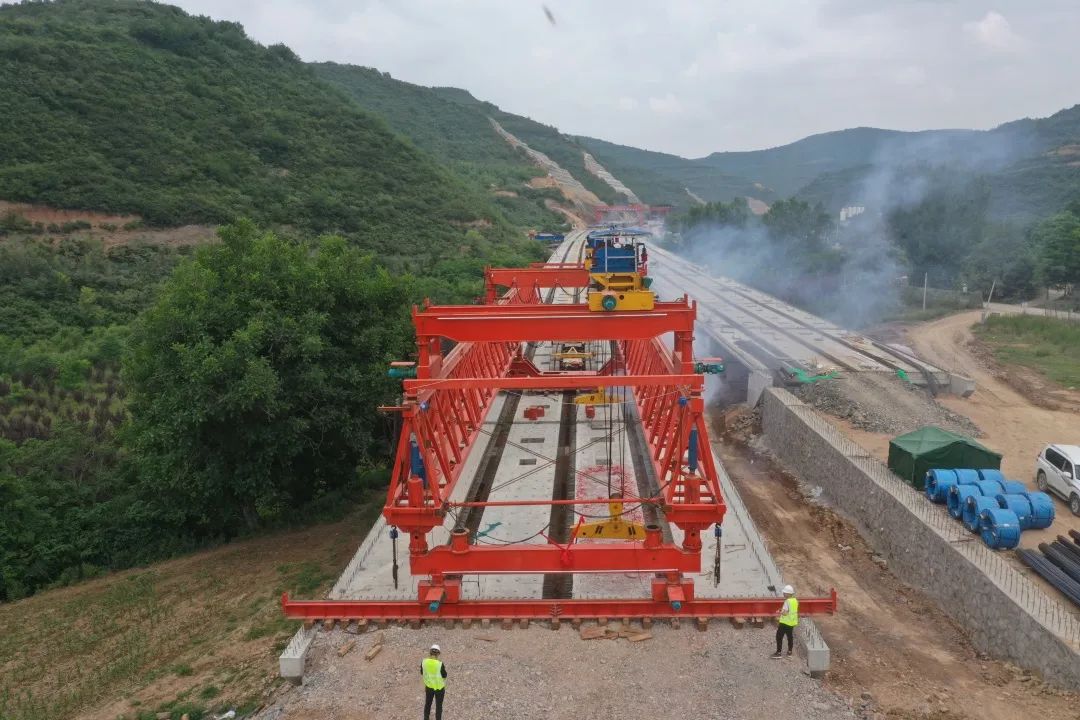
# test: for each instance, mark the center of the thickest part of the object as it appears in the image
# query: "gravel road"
(540, 674)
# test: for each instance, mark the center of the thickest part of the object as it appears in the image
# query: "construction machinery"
(466, 356)
(617, 261)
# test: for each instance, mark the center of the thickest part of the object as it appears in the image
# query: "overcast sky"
(694, 76)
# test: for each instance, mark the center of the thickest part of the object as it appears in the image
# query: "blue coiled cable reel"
(1000, 529)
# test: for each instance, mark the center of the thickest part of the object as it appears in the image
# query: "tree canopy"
(137, 107)
(255, 377)
(1058, 241)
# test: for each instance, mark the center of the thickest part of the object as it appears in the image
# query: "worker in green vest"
(434, 672)
(787, 620)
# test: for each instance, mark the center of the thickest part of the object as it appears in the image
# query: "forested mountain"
(660, 178)
(1030, 165)
(134, 375)
(457, 134)
(136, 107)
(156, 398)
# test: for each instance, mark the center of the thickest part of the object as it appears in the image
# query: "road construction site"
(773, 343)
(895, 647)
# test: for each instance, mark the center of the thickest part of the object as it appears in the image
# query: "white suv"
(1055, 471)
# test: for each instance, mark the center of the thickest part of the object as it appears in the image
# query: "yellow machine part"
(609, 300)
(596, 398)
(614, 528)
(617, 281)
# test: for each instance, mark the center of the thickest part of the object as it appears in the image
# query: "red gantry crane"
(446, 397)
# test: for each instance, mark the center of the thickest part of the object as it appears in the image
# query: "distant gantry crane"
(447, 395)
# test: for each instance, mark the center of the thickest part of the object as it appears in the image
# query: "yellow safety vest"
(791, 617)
(433, 674)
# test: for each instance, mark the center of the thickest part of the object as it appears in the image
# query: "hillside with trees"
(135, 107)
(120, 363)
(458, 135)
(1029, 165)
(156, 398)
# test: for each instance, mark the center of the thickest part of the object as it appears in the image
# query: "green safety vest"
(791, 617)
(433, 674)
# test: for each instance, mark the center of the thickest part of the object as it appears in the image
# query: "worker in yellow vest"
(434, 672)
(786, 622)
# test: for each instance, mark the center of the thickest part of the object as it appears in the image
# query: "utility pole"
(925, 277)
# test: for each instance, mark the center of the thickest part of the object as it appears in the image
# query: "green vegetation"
(159, 638)
(132, 107)
(1048, 345)
(653, 176)
(135, 107)
(661, 178)
(946, 234)
(1058, 241)
(548, 140)
(1028, 167)
(792, 252)
(64, 314)
(457, 134)
(254, 379)
(248, 395)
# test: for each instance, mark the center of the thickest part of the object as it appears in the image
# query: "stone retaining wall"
(1006, 614)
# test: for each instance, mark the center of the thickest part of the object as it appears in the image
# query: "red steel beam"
(563, 381)
(548, 558)
(675, 307)
(521, 323)
(548, 609)
(588, 501)
(546, 277)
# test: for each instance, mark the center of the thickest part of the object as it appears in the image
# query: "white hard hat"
(788, 590)
(435, 648)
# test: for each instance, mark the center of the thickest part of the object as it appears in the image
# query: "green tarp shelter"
(911, 455)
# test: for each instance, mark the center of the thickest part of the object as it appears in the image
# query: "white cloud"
(994, 32)
(910, 75)
(666, 105)
(730, 75)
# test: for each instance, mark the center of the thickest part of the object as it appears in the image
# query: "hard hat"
(788, 590)
(435, 648)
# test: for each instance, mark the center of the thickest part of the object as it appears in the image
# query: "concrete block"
(756, 383)
(960, 385)
(817, 652)
(291, 661)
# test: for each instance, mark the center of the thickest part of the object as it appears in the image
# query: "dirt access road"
(895, 654)
(1018, 411)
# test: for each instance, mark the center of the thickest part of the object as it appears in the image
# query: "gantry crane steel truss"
(442, 414)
